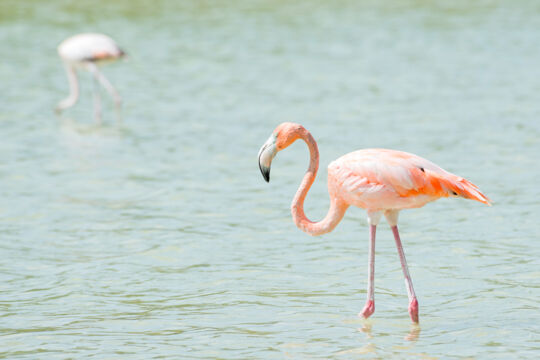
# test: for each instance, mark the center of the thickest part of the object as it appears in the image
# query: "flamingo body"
(89, 47)
(379, 180)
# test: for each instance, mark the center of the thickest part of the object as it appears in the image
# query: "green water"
(159, 239)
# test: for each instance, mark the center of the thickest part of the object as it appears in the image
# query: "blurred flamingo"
(87, 51)
(381, 181)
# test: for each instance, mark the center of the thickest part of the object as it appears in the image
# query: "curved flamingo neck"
(337, 208)
(73, 89)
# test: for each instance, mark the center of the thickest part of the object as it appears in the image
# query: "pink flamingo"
(378, 180)
(87, 51)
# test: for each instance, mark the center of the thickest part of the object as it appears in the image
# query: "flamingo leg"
(369, 308)
(107, 85)
(413, 302)
(97, 102)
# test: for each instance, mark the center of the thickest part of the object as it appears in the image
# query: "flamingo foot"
(369, 309)
(413, 310)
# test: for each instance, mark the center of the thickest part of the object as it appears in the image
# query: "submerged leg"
(413, 302)
(369, 308)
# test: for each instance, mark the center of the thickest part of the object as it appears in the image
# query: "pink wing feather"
(387, 179)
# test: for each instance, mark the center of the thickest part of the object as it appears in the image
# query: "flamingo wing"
(380, 178)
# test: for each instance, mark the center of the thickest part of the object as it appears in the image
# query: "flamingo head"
(284, 135)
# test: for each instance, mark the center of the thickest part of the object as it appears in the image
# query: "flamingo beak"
(267, 152)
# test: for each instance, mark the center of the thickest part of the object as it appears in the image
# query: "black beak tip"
(265, 173)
